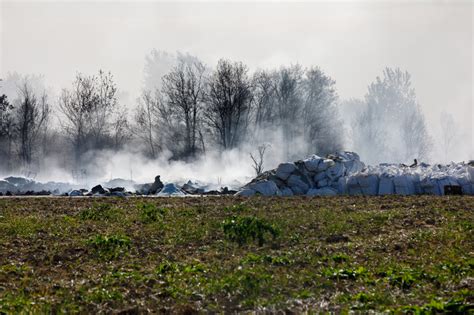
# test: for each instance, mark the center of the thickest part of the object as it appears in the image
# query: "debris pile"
(170, 190)
(343, 173)
(21, 186)
(420, 179)
(315, 176)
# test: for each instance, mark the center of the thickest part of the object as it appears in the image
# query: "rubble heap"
(343, 173)
(315, 176)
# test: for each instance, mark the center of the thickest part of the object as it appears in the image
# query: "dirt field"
(227, 254)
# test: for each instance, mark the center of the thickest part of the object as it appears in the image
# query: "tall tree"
(93, 118)
(263, 83)
(76, 105)
(288, 106)
(228, 103)
(158, 63)
(183, 91)
(449, 134)
(147, 122)
(392, 126)
(322, 126)
(31, 116)
(6, 133)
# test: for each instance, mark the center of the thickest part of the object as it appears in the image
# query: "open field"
(181, 255)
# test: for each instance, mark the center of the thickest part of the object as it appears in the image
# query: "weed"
(126, 275)
(20, 226)
(303, 294)
(295, 238)
(177, 278)
(20, 303)
(459, 268)
(166, 267)
(99, 211)
(339, 258)
(362, 297)
(345, 273)
(243, 230)
(150, 213)
(13, 269)
(109, 247)
(240, 207)
(101, 295)
(267, 259)
(452, 306)
(404, 278)
(246, 282)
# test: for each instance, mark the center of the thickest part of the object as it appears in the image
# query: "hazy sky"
(351, 41)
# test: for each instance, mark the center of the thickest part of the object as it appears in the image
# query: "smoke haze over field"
(352, 42)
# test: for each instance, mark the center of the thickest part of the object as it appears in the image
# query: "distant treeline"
(193, 108)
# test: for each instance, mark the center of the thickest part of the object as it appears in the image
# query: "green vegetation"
(109, 247)
(150, 213)
(245, 229)
(389, 254)
(100, 211)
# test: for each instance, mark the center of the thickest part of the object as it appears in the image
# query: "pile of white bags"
(343, 173)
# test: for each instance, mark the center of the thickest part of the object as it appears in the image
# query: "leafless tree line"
(23, 124)
(91, 117)
(193, 108)
(196, 107)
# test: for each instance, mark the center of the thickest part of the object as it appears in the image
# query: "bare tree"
(322, 126)
(263, 100)
(392, 126)
(228, 103)
(146, 122)
(93, 119)
(301, 105)
(369, 135)
(120, 132)
(183, 91)
(258, 160)
(6, 133)
(449, 133)
(31, 117)
(104, 112)
(288, 105)
(76, 105)
(415, 136)
(158, 63)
